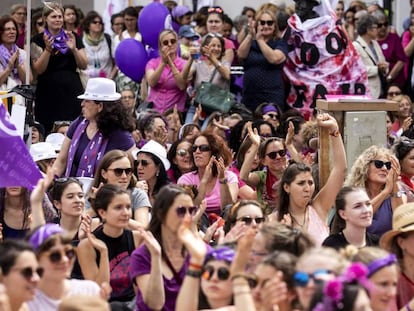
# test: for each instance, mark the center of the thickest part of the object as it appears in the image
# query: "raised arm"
(244, 48)
(36, 200)
(79, 54)
(41, 56)
(250, 178)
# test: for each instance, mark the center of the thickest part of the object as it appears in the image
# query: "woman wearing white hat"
(105, 125)
(43, 154)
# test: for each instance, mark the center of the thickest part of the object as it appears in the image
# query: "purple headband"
(269, 108)
(222, 253)
(43, 233)
(381, 263)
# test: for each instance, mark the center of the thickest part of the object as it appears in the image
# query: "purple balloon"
(131, 58)
(153, 18)
(152, 53)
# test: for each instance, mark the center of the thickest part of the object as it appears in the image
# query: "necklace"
(294, 220)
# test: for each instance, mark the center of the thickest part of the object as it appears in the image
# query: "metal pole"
(28, 32)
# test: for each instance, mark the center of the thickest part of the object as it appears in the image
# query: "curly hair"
(359, 171)
(90, 17)
(114, 116)
(146, 122)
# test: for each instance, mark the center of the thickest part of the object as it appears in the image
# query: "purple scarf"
(6, 54)
(92, 154)
(59, 41)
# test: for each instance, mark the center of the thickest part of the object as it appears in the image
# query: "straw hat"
(402, 221)
(100, 89)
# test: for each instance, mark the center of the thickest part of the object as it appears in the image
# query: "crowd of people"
(149, 201)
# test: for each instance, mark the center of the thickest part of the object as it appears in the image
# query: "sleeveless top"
(119, 253)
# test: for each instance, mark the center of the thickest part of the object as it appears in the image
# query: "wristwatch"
(223, 181)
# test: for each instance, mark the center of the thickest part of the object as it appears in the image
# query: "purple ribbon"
(43, 233)
(269, 108)
(378, 264)
(222, 253)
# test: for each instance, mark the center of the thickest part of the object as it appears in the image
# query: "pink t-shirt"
(212, 198)
(166, 94)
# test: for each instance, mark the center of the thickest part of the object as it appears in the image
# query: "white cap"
(42, 151)
(157, 150)
(56, 139)
(100, 89)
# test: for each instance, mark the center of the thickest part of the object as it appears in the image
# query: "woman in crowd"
(20, 273)
(181, 159)
(383, 276)
(213, 68)
(352, 218)
(371, 54)
(97, 47)
(269, 113)
(71, 19)
(104, 126)
(38, 24)
(56, 55)
(376, 170)
(43, 154)
(399, 241)
(404, 151)
(298, 204)
(214, 24)
(339, 10)
(248, 212)
(392, 49)
(105, 256)
(116, 168)
(12, 58)
(349, 23)
(152, 126)
(164, 75)
(217, 185)
(407, 41)
(158, 265)
(263, 54)
(403, 118)
(56, 255)
(151, 167)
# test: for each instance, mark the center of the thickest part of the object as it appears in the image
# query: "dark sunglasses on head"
(182, 152)
(274, 154)
(144, 163)
(56, 256)
(248, 220)
(63, 180)
(167, 42)
(268, 23)
(380, 164)
(223, 273)
(302, 278)
(382, 24)
(182, 210)
(119, 171)
(203, 148)
(28, 272)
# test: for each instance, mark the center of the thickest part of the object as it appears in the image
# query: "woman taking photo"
(105, 125)
(404, 151)
(217, 185)
(56, 55)
(352, 218)
(263, 54)
(164, 75)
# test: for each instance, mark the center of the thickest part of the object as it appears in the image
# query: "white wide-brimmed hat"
(42, 151)
(100, 89)
(157, 150)
(56, 139)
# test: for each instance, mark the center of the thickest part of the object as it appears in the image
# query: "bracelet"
(48, 50)
(334, 133)
(219, 64)
(407, 307)
(223, 181)
(193, 274)
(195, 266)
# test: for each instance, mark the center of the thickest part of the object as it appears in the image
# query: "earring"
(157, 174)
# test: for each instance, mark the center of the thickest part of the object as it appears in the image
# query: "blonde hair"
(52, 7)
(272, 14)
(163, 34)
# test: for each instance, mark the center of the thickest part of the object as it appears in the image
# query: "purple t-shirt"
(118, 139)
(141, 264)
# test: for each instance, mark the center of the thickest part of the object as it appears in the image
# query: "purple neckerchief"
(59, 41)
(92, 154)
(6, 54)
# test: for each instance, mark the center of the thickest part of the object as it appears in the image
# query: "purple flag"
(17, 167)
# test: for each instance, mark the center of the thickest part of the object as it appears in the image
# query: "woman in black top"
(353, 217)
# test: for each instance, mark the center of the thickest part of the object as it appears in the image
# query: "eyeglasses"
(97, 22)
(273, 116)
(56, 256)
(203, 148)
(223, 273)
(248, 220)
(182, 210)
(215, 10)
(168, 42)
(302, 278)
(274, 154)
(380, 164)
(39, 23)
(182, 152)
(119, 171)
(144, 163)
(382, 24)
(392, 94)
(268, 23)
(128, 97)
(28, 272)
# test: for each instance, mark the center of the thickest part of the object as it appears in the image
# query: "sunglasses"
(203, 148)
(119, 171)
(302, 278)
(97, 22)
(182, 152)
(274, 154)
(382, 24)
(393, 94)
(167, 42)
(182, 210)
(223, 273)
(39, 23)
(268, 23)
(273, 116)
(380, 164)
(144, 163)
(248, 220)
(56, 256)
(28, 272)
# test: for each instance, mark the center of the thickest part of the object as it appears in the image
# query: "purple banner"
(17, 167)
